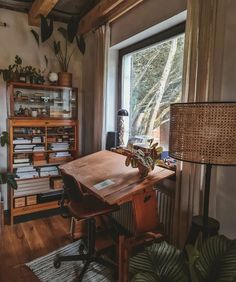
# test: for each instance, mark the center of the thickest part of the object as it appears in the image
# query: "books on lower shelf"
(30, 186)
(59, 146)
(21, 141)
(48, 171)
(26, 172)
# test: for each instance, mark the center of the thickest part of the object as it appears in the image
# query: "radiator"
(165, 192)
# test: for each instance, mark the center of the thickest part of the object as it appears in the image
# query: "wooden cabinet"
(35, 101)
(38, 145)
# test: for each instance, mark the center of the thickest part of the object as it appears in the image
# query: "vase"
(65, 79)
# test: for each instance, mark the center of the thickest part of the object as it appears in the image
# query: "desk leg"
(145, 211)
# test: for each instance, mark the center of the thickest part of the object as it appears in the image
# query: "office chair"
(84, 206)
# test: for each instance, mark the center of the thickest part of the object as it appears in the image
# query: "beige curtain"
(102, 35)
(201, 82)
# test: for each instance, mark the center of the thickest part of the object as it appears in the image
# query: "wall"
(144, 16)
(16, 39)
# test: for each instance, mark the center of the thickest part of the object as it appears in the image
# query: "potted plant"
(13, 72)
(7, 177)
(63, 50)
(214, 261)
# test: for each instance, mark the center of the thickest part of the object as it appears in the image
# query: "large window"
(151, 79)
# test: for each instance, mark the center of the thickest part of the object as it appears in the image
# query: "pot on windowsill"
(65, 79)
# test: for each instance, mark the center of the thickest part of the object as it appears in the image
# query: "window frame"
(154, 39)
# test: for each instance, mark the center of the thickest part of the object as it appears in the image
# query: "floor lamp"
(204, 133)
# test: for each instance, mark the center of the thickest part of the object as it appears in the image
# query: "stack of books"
(23, 148)
(36, 139)
(59, 146)
(60, 157)
(30, 187)
(21, 162)
(26, 172)
(39, 148)
(21, 141)
(48, 171)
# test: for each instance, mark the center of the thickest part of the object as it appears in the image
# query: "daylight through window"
(151, 80)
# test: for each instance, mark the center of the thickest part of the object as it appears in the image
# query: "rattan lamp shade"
(203, 132)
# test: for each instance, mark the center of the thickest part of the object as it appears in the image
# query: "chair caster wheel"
(57, 263)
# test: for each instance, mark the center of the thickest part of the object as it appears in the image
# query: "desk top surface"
(103, 165)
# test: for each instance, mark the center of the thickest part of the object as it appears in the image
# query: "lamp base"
(197, 226)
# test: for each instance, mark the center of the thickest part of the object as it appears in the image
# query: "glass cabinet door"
(36, 103)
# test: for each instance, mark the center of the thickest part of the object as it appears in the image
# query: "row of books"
(29, 171)
(29, 148)
(59, 146)
(29, 187)
(35, 139)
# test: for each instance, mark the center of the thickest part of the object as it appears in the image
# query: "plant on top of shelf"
(7, 177)
(16, 71)
(62, 51)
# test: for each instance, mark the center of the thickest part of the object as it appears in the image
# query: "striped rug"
(68, 272)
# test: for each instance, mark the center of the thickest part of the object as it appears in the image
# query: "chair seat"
(90, 206)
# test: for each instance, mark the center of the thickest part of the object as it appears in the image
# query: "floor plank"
(26, 241)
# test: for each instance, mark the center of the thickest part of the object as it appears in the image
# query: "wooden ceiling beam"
(105, 11)
(40, 7)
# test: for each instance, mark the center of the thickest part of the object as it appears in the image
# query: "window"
(151, 79)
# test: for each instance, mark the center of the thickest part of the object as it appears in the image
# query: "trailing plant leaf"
(4, 138)
(81, 43)
(36, 35)
(46, 60)
(146, 277)
(216, 260)
(161, 260)
(63, 31)
(11, 180)
(72, 28)
(46, 29)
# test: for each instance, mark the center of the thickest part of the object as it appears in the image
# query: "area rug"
(68, 272)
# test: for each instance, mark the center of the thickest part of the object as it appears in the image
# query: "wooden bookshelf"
(40, 145)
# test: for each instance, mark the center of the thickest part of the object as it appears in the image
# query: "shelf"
(37, 193)
(35, 208)
(29, 144)
(34, 152)
(40, 86)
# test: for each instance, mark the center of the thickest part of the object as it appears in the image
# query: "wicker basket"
(65, 79)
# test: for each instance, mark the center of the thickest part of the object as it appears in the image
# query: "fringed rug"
(68, 272)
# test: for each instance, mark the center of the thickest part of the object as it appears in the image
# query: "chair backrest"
(72, 187)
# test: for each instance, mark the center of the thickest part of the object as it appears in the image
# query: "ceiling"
(63, 10)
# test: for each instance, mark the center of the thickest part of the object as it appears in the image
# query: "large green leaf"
(4, 138)
(63, 32)
(145, 277)
(46, 29)
(81, 43)
(36, 35)
(163, 261)
(216, 260)
(72, 28)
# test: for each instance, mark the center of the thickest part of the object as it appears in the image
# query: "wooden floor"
(26, 241)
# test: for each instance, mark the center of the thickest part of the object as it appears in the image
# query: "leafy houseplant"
(15, 71)
(6, 177)
(214, 261)
(63, 51)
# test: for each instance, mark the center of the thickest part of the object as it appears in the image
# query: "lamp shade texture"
(203, 133)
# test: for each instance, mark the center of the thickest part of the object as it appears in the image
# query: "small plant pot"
(65, 79)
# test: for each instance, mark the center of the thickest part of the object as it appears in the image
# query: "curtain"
(203, 57)
(102, 35)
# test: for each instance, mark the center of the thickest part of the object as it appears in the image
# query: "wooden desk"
(128, 186)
